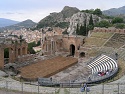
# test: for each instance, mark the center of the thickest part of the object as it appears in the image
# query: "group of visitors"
(84, 87)
(102, 73)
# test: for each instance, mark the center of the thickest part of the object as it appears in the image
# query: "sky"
(36, 10)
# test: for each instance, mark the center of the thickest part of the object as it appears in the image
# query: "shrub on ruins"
(88, 11)
(91, 24)
(97, 11)
(65, 32)
(62, 24)
(103, 23)
(81, 30)
(120, 25)
(117, 20)
(30, 47)
(38, 43)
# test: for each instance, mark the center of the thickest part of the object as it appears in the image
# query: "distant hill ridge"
(24, 24)
(115, 11)
(6, 22)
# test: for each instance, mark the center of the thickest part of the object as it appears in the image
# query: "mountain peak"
(69, 11)
(58, 19)
(69, 8)
(28, 20)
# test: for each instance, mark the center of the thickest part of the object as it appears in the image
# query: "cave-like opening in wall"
(82, 54)
(72, 50)
(6, 55)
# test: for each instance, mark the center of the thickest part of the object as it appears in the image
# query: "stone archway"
(6, 56)
(72, 50)
(82, 54)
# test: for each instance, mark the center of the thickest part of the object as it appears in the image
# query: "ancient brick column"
(21, 53)
(1, 58)
(25, 50)
(16, 53)
(11, 55)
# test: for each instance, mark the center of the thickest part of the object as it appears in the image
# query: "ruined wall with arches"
(64, 43)
(15, 50)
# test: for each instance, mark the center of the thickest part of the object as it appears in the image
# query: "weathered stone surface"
(55, 18)
(79, 18)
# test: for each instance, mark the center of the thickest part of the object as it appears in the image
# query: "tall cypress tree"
(91, 21)
(77, 29)
(84, 28)
(81, 30)
(91, 24)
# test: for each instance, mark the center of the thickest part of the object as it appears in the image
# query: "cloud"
(37, 9)
(35, 15)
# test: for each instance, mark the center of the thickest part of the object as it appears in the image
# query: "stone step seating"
(116, 41)
(106, 50)
(102, 63)
(95, 41)
(104, 35)
(121, 53)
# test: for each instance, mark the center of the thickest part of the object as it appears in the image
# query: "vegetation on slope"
(31, 45)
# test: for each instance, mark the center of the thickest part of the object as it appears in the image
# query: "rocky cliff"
(68, 17)
(80, 18)
(58, 19)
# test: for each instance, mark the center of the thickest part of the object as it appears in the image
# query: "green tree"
(90, 27)
(77, 30)
(108, 17)
(120, 25)
(81, 30)
(117, 20)
(97, 12)
(103, 23)
(91, 24)
(30, 47)
(91, 21)
(88, 11)
(85, 29)
(21, 38)
(65, 32)
(38, 43)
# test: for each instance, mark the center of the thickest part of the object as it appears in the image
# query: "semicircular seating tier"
(102, 63)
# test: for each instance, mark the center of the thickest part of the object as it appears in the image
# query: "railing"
(14, 87)
(99, 79)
